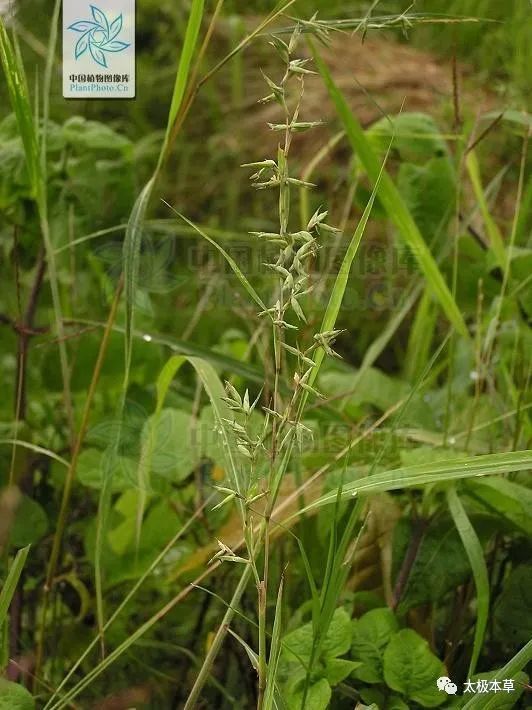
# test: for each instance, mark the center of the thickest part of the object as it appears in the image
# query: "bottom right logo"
(446, 684)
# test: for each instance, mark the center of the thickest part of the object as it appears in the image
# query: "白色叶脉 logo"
(98, 36)
(447, 685)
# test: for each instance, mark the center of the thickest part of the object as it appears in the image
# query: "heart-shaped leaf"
(14, 696)
(371, 634)
(411, 668)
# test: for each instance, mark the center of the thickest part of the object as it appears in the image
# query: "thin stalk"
(156, 562)
(218, 639)
(42, 202)
(71, 474)
(491, 335)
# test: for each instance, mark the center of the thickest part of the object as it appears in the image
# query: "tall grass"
(298, 349)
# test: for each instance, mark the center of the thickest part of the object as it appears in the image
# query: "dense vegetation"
(265, 361)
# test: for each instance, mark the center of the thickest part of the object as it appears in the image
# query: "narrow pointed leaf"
(392, 200)
(475, 555)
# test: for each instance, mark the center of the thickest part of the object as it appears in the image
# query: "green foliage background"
(433, 382)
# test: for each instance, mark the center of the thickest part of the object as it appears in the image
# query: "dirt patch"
(377, 75)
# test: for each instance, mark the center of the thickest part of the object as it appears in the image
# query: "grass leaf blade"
(475, 554)
(435, 472)
(9, 586)
(392, 200)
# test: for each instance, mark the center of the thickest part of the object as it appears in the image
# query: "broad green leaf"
(440, 548)
(30, 525)
(392, 200)
(122, 560)
(172, 450)
(395, 703)
(337, 669)
(94, 136)
(426, 177)
(371, 634)
(412, 669)
(165, 378)
(91, 467)
(513, 610)
(210, 443)
(150, 437)
(338, 639)
(14, 696)
(429, 193)
(121, 537)
(377, 699)
(375, 387)
(318, 697)
(416, 137)
(298, 643)
(505, 498)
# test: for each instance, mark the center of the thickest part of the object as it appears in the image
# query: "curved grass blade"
(162, 385)
(156, 562)
(391, 199)
(490, 702)
(19, 97)
(435, 472)
(495, 236)
(165, 378)
(330, 316)
(225, 362)
(215, 391)
(218, 640)
(475, 555)
(36, 449)
(10, 585)
(131, 258)
(133, 238)
(189, 45)
(232, 263)
(275, 651)
(342, 277)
